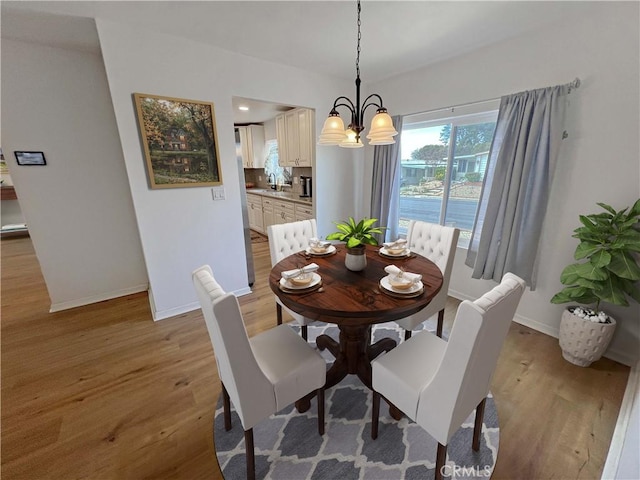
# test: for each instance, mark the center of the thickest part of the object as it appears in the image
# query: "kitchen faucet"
(272, 183)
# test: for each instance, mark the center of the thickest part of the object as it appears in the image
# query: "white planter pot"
(582, 341)
(355, 259)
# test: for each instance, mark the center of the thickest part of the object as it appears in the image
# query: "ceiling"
(319, 36)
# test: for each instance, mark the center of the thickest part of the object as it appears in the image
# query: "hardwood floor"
(103, 392)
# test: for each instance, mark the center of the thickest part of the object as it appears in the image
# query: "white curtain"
(514, 197)
(386, 183)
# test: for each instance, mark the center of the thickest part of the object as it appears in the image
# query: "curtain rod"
(572, 85)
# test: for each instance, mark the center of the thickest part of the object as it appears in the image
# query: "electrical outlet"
(259, 178)
(296, 180)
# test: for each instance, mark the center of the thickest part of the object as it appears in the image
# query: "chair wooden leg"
(407, 334)
(440, 323)
(441, 459)
(321, 411)
(226, 408)
(251, 460)
(279, 313)
(303, 330)
(477, 427)
(375, 413)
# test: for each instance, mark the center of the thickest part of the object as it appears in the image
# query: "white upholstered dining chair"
(437, 383)
(284, 240)
(438, 244)
(260, 375)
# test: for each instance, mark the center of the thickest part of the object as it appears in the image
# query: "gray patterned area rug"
(288, 446)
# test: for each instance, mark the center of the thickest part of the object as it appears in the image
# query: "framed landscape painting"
(179, 141)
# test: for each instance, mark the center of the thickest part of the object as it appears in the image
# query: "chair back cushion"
(464, 376)
(436, 242)
(288, 238)
(250, 391)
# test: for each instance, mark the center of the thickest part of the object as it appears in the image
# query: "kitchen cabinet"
(265, 209)
(250, 145)
(283, 212)
(254, 209)
(303, 212)
(267, 213)
(295, 133)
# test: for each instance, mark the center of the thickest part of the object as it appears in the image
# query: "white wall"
(78, 207)
(599, 161)
(182, 229)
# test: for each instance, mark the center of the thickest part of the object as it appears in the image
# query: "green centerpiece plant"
(356, 235)
(607, 271)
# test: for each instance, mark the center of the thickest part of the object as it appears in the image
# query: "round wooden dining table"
(354, 301)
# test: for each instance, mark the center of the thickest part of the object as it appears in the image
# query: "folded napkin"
(401, 242)
(396, 272)
(312, 267)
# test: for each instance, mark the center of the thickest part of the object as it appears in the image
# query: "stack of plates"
(415, 290)
(289, 287)
(321, 253)
(386, 253)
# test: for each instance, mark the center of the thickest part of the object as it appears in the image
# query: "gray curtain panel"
(514, 197)
(386, 184)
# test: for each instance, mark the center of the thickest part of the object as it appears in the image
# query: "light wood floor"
(103, 392)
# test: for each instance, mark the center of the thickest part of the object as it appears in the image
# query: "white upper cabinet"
(251, 145)
(295, 130)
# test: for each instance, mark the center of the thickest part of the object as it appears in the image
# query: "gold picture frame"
(179, 140)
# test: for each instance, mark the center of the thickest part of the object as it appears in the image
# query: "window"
(271, 167)
(444, 159)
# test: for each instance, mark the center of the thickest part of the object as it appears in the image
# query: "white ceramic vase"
(582, 341)
(355, 259)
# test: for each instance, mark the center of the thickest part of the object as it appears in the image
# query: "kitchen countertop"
(292, 197)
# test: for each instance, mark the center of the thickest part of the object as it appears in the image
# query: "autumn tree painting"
(179, 141)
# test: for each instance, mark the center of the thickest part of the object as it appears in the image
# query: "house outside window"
(443, 162)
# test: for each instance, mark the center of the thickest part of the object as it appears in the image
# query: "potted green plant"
(356, 235)
(607, 272)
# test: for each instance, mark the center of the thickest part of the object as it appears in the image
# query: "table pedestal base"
(353, 354)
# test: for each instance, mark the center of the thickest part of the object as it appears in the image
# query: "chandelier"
(381, 131)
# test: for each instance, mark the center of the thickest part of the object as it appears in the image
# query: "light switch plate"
(217, 193)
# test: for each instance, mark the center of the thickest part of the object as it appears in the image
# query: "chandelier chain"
(358, 50)
(382, 131)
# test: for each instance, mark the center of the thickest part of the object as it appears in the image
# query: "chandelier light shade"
(333, 131)
(381, 131)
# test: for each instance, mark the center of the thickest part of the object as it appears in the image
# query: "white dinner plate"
(386, 253)
(416, 287)
(315, 280)
(330, 249)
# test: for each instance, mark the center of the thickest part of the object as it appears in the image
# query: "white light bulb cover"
(383, 141)
(382, 133)
(333, 125)
(381, 123)
(332, 132)
(351, 144)
(350, 141)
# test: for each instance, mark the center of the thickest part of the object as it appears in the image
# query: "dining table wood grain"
(354, 301)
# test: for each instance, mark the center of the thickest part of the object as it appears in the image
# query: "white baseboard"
(173, 312)
(57, 307)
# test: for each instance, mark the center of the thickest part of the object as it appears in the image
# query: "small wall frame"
(179, 140)
(30, 158)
